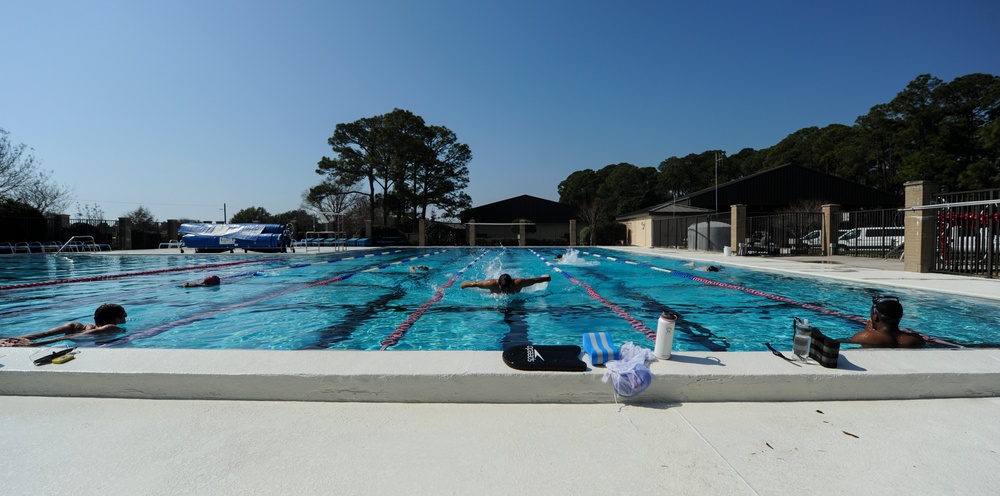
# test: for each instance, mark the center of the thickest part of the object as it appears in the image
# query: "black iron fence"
(709, 232)
(788, 233)
(869, 233)
(103, 231)
(49, 230)
(15, 230)
(968, 233)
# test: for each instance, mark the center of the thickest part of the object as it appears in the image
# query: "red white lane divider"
(131, 274)
(194, 318)
(619, 311)
(807, 306)
(401, 330)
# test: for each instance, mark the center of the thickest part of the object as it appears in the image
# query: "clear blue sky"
(183, 106)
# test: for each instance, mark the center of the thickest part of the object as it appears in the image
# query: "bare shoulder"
(92, 329)
(909, 340)
(873, 338)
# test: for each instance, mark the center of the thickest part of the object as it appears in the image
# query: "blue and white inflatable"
(215, 238)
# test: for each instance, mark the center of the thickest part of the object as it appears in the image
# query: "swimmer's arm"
(78, 330)
(528, 281)
(491, 284)
(47, 341)
(68, 328)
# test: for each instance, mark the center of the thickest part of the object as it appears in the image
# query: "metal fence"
(15, 230)
(103, 231)
(708, 232)
(968, 233)
(869, 233)
(24, 229)
(789, 233)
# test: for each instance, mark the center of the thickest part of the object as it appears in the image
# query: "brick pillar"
(831, 228)
(173, 225)
(60, 228)
(738, 229)
(572, 232)
(124, 233)
(422, 230)
(918, 247)
(472, 233)
(522, 237)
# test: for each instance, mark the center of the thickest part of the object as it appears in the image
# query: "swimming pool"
(371, 300)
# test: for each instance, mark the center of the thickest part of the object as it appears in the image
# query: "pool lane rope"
(807, 306)
(231, 277)
(619, 311)
(148, 333)
(401, 330)
(132, 274)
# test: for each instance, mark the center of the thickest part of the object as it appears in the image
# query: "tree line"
(932, 130)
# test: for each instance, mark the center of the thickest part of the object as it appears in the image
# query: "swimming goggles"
(777, 353)
(879, 299)
(47, 359)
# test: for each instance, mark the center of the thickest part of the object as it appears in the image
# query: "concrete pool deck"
(176, 422)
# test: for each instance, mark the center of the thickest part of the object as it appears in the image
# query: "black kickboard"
(559, 358)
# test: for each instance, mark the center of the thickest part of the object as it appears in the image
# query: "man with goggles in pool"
(107, 317)
(506, 284)
(882, 329)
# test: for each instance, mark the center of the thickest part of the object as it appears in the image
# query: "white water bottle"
(664, 335)
(802, 341)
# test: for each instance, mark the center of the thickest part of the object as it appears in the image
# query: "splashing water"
(572, 257)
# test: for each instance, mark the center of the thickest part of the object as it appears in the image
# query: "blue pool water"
(357, 300)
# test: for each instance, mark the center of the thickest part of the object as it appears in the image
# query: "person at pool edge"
(506, 284)
(107, 318)
(882, 328)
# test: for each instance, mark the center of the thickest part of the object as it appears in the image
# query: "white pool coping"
(482, 377)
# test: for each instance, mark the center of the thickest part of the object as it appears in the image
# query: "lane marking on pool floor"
(195, 318)
(132, 274)
(401, 330)
(619, 311)
(783, 299)
(230, 277)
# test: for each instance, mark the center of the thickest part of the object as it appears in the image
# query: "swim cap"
(212, 280)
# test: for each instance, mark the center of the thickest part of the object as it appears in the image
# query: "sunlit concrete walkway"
(108, 446)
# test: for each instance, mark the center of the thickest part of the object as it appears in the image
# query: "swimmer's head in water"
(887, 308)
(506, 283)
(109, 313)
(212, 281)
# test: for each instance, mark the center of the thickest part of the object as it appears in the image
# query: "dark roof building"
(551, 220)
(762, 193)
(538, 210)
(774, 189)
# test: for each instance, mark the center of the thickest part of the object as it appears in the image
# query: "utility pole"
(719, 156)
